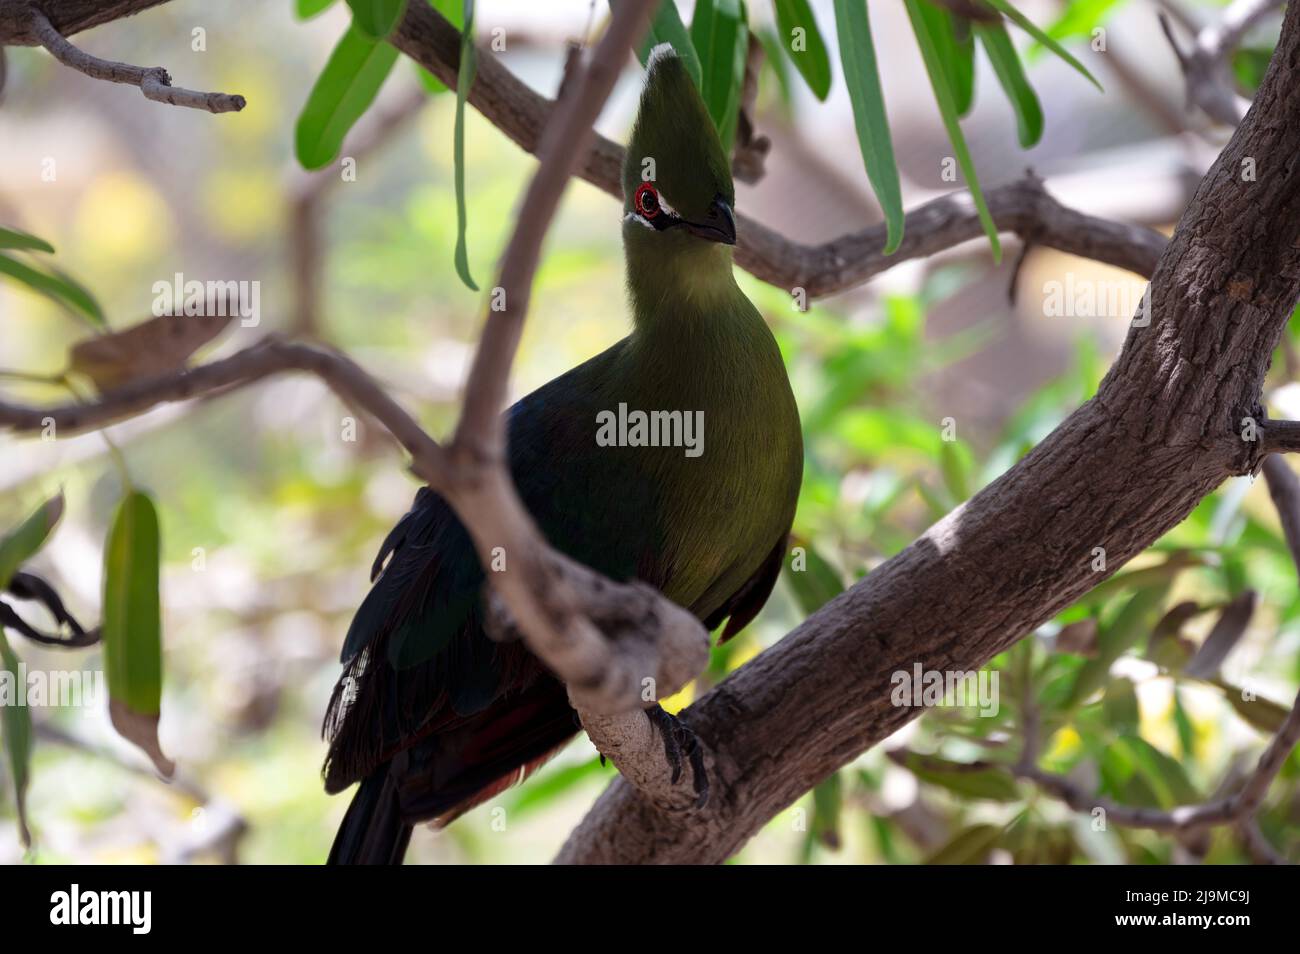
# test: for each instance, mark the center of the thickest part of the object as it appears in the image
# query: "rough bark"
(1161, 433)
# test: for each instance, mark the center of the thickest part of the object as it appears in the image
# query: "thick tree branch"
(1023, 208)
(661, 641)
(617, 647)
(155, 82)
(1161, 433)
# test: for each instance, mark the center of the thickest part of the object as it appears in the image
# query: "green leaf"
(542, 791)
(802, 41)
(21, 544)
(1022, 21)
(968, 847)
(816, 583)
(1080, 18)
(343, 92)
(862, 76)
(1130, 624)
(132, 626)
(958, 54)
(16, 729)
(464, 80)
(955, 469)
(1263, 714)
(1024, 101)
(927, 23)
(377, 18)
(306, 9)
(987, 784)
(721, 40)
(667, 27)
(454, 12)
(1165, 778)
(56, 286)
(12, 238)
(828, 806)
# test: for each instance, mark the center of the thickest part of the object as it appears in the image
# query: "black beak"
(719, 224)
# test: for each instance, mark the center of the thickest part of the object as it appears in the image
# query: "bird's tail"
(372, 832)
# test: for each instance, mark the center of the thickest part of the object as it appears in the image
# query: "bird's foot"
(679, 742)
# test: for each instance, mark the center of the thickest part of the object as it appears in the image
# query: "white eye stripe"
(633, 217)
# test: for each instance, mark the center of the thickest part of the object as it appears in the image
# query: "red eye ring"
(646, 201)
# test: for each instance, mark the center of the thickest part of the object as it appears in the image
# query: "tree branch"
(1160, 434)
(1023, 208)
(666, 643)
(155, 82)
(1205, 63)
(1123, 469)
(824, 269)
(617, 647)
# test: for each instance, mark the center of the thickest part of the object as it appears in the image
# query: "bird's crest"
(674, 146)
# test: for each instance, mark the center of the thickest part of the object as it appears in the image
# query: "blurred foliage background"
(270, 515)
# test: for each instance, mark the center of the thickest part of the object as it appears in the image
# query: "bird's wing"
(743, 605)
(417, 660)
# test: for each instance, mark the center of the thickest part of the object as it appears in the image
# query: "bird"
(430, 714)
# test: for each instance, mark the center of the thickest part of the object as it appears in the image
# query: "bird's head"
(677, 188)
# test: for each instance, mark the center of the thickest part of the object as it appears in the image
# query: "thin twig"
(1205, 62)
(154, 81)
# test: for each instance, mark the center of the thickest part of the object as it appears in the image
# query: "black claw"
(679, 740)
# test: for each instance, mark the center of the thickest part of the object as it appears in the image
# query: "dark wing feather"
(743, 605)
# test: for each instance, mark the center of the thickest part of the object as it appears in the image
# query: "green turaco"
(673, 457)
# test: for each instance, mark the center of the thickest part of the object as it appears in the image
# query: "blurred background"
(271, 515)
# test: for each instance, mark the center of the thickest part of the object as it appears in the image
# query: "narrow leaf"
(814, 581)
(377, 18)
(969, 846)
(155, 346)
(1130, 624)
(802, 41)
(464, 80)
(1022, 21)
(957, 50)
(667, 27)
(955, 471)
(132, 627)
(12, 238)
(343, 92)
(1024, 101)
(56, 286)
(21, 544)
(453, 11)
(306, 9)
(721, 38)
(925, 22)
(16, 729)
(862, 75)
(1227, 632)
(961, 779)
